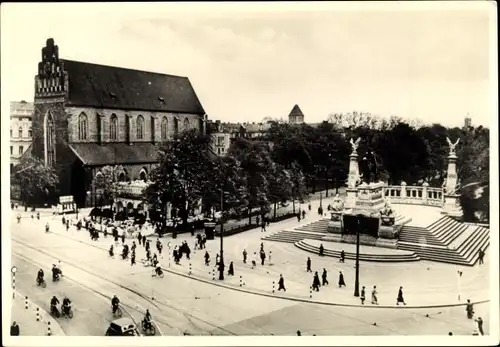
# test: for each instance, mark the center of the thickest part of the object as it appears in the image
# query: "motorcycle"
(41, 282)
(148, 327)
(68, 313)
(57, 277)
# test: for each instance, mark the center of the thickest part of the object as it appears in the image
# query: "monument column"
(451, 198)
(352, 191)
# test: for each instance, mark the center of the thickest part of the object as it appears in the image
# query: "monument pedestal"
(452, 206)
(350, 199)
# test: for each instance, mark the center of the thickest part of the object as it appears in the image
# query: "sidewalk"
(26, 319)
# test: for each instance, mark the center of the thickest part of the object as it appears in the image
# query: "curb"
(45, 316)
(309, 301)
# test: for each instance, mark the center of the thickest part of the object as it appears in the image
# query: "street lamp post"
(221, 261)
(356, 280)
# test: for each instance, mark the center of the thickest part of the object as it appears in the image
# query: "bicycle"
(118, 312)
(148, 327)
(159, 273)
(68, 314)
(41, 283)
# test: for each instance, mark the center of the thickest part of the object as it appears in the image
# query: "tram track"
(158, 304)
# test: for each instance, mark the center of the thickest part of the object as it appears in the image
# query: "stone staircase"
(433, 243)
(319, 226)
(293, 236)
(382, 258)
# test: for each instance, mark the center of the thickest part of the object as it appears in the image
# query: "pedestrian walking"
(19, 218)
(324, 277)
(67, 225)
(400, 297)
(362, 296)
(38, 215)
(263, 226)
(374, 296)
(144, 240)
(469, 309)
(139, 237)
(231, 269)
(257, 220)
(63, 220)
(14, 329)
(134, 246)
(47, 227)
(479, 322)
(342, 256)
(309, 207)
(303, 214)
(262, 256)
(207, 258)
(281, 284)
(481, 256)
(244, 256)
(341, 279)
(298, 217)
(316, 284)
(308, 265)
(132, 258)
(321, 250)
(299, 333)
(123, 237)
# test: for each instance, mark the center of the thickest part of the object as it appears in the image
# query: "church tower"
(296, 116)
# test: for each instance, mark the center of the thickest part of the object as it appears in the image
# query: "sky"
(250, 61)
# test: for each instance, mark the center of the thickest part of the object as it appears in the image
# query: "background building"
(87, 116)
(21, 114)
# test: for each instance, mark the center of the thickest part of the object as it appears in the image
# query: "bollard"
(13, 286)
(241, 281)
(213, 274)
(270, 254)
(190, 272)
(49, 333)
(26, 303)
(310, 292)
(37, 314)
(273, 286)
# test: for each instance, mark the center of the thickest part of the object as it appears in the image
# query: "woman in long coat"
(341, 280)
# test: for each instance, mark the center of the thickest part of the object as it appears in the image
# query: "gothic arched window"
(186, 124)
(143, 175)
(50, 140)
(113, 128)
(20, 132)
(82, 127)
(140, 127)
(164, 129)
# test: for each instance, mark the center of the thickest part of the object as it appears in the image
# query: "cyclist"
(53, 304)
(56, 272)
(114, 303)
(66, 306)
(147, 320)
(158, 270)
(39, 277)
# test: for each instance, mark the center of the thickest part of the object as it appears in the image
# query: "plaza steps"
(319, 226)
(419, 235)
(466, 254)
(293, 236)
(383, 258)
(446, 229)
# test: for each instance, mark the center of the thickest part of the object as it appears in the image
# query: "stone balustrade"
(417, 195)
(133, 189)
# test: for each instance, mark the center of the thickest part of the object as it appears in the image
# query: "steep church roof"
(100, 86)
(114, 87)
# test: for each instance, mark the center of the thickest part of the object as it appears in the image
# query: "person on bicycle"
(66, 306)
(147, 319)
(158, 270)
(53, 304)
(55, 273)
(114, 303)
(39, 277)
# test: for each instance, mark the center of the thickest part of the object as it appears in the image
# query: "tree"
(280, 185)
(37, 182)
(106, 185)
(183, 173)
(255, 160)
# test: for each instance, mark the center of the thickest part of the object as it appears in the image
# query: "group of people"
(65, 306)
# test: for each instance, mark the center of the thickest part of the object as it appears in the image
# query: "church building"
(87, 116)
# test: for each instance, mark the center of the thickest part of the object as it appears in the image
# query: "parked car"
(122, 327)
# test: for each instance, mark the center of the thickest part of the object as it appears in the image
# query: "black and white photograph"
(253, 173)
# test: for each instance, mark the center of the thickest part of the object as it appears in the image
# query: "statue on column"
(355, 145)
(452, 146)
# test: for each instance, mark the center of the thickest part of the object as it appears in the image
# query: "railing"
(417, 195)
(131, 189)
